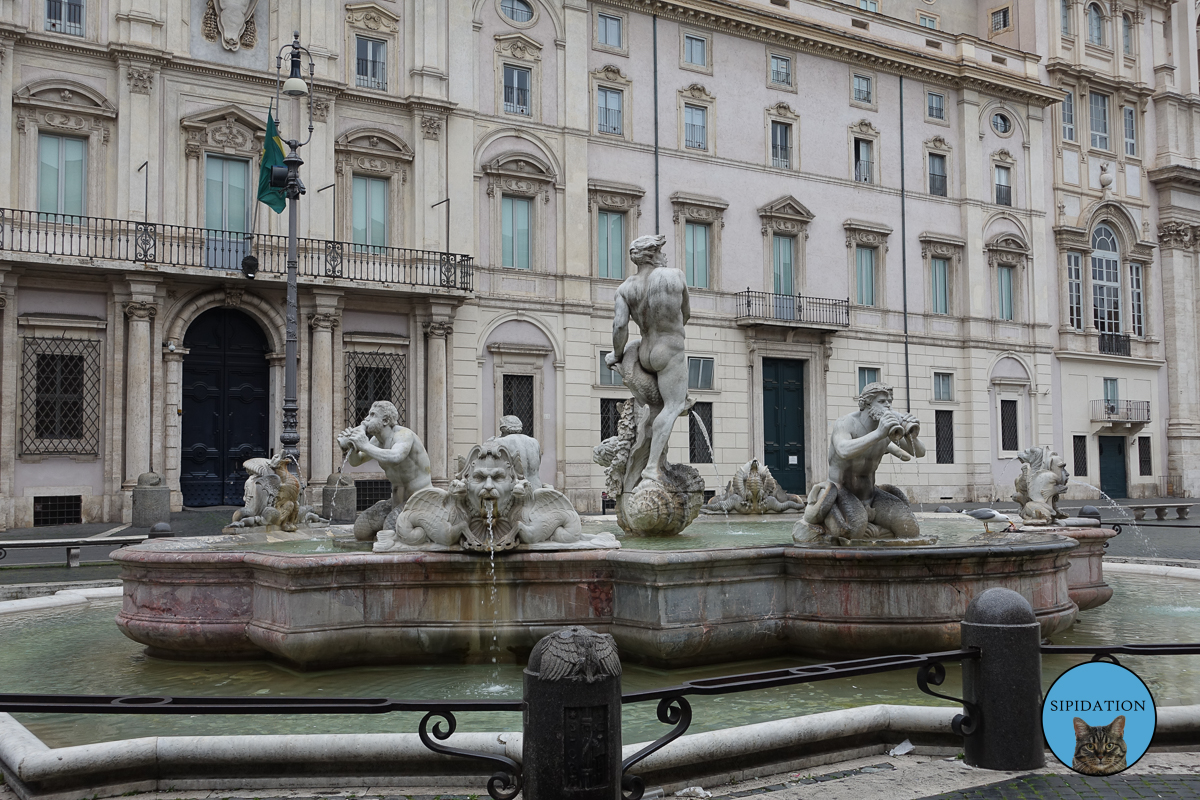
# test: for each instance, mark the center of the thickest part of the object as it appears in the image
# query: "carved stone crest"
(231, 22)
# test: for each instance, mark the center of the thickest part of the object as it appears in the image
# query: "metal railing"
(205, 248)
(783, 77)
(73, 546)
(370, 74)
(781, 156)
(1115, 344)
(608, 120)
(516, 100)
(937, 184)
(864, 171)
(793, 308)
(65, 16)
(1120, 410)
(695, 136)
(1003, 195)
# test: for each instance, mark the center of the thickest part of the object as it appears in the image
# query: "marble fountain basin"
(312, 606)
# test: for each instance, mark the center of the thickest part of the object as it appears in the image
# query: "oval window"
(1001, 123)
(517, 10)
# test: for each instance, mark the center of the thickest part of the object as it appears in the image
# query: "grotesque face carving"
(490, 482)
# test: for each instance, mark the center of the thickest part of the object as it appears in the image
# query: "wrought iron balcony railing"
(864, 171)
(937, 184)
(787, 308)
(1114, 344)
(781, 156)
(1121, 411)
(205, 248)
(608, 120)
(1003, 195)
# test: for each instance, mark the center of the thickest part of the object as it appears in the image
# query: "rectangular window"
(699, 444)
(695, 50)
(695, 127)
(60, 403)
(1126, 35)
(1098, 108)
(65, 16)
(783, 247)
(862, 89)
(781, 70)
(1112, 390)
(1008, 426)
(869, 5)
(1145, 466)
(865, 258)
(943, 421)
(1003, 186)
(940, 281)
(1137, 320)
(516, 213)
(1068, 117)
(608, 111)
(943, 386)
(1000, 20)
(370, 70)
(608, 30)
(62, 174)
(695, 236)
(1064, 13)
(1075, 290)
(700, 373)
(1079, 445)
(610, 417)
(937, 174)
(370, 211)
(1106, 292)
(1130, 130)
(781, 145)
(516, 90)
(867, 375)
(226, 194)
(864, 164)
(1005, 292)
(371, 377)
(518, 400)
(936, 105)
(608, 376)
(926, 21)
(610, 238)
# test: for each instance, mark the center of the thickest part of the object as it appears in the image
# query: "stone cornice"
(1059, 68)
(1176, 174)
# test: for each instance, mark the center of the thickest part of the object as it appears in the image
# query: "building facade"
(921, 192)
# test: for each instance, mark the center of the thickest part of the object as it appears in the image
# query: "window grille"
(371, 65)
(65, 16)
(699, 451)
(944, 425)
(60, 405)
(1144, 465)
(1079, 444)
(375, 376)
(57, 510)
(518, 400)
(1008, 426)
(1075, 290)
(1000, 19)
(368, 493)
(610, 417)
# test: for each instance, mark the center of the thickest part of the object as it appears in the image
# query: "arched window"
(1106, 280)
(1127, 34)
(1095, 20)
(517, 10)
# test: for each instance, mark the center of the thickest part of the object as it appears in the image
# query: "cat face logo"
(1099, 749)
(1098, 718)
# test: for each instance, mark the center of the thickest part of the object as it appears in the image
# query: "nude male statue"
(512, 436)
(397, 450)
(655, 367)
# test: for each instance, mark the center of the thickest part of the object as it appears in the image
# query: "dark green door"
(1112, 466)
(783, 422)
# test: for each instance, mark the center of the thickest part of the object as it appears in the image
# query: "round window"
(517, 10)
(1002, 124)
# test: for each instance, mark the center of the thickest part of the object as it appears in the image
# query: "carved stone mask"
(490, 481)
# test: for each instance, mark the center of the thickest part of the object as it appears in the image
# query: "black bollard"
(1004, 683)
(572, 723)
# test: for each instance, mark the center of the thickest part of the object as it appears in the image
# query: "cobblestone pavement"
(1059, 787)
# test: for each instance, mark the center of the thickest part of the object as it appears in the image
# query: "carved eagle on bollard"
(574, 653)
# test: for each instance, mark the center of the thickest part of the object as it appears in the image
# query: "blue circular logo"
(1098, 718)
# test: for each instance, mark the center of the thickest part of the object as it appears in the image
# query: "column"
(1177, 254)
(172, 400)
(321, 398)
(436, 443)
(137, 390)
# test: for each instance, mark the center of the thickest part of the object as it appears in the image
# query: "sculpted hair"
(387, 410)
(650, 243)
(511, 423)
(870, 391)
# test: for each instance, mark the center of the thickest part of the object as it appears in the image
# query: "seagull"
(988, 515)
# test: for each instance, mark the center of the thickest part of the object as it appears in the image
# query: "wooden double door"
(783, 422)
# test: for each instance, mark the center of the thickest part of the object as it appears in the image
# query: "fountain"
(753, 490)
(272, 500)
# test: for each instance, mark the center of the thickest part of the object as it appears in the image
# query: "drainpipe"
(904, 256)
(657, 212)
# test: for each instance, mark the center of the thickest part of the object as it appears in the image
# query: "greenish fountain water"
(82, 652)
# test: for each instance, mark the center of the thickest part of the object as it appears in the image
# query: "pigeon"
(990, 516)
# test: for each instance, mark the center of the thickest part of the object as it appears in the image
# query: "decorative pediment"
(698, 208)
(372, 17)
(938, 143)
(521, 174)
(610, 195)
(864, 126)
(228, 129)
(64, 95)
(1006, 250)
(867, 234)
(372, 150)
(1003, 155)
(786, 215)
(610, 73)
(518, 46)
(698, 92)
(941, 245)
(782, 110)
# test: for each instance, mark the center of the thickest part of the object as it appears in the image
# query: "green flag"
(272, 156)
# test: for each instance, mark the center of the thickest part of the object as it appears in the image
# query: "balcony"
(156, 244)
(791, 311)
(1115, 344)
(1124, 415)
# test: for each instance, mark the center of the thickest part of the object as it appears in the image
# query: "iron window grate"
(1080, 446)
(944, 428)
(64, 509)
(518, 400)
(368, 493)
(1008, 425)
(610, 416)
(699, 451)
(371, 377)
(60, 404)
(1144, 465)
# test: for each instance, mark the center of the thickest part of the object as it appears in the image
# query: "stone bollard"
(1004, 683)
(572, 742)
(151, 501)
(338, 502)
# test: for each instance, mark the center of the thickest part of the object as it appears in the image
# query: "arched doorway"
(226, 406)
